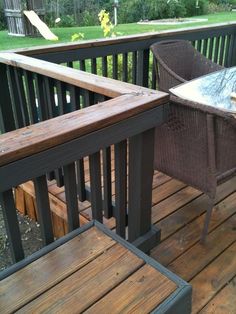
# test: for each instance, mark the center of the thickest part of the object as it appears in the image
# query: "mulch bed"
(30, 235)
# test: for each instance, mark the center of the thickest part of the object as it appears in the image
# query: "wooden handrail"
(121, 39)
(92, 82)
(27, 141)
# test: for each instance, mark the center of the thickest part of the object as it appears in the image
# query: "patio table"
(214, 90)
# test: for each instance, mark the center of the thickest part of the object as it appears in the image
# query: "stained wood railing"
(34, 90)
(34, 152)
(129, 59)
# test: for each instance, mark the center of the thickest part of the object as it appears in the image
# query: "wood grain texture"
(44, 273)
(47, 134)
(83, 288)
(92, 82)
(140, 293)
(213, 278)
(224, 302)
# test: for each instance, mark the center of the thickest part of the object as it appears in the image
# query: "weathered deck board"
(179, 211)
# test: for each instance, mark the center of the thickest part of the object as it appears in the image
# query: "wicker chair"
(187, 143)
(178, 61)
(197, 145)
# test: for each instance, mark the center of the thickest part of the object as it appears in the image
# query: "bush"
(67, 21)
(213, 8)
(191, 10)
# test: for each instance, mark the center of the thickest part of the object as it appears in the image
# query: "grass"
(93, 32)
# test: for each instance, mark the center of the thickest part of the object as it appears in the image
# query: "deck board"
(179, 210)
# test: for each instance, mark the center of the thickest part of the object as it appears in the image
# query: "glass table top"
(214, 89)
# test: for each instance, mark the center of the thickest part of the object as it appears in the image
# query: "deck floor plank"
(51, 269)
(77, 291)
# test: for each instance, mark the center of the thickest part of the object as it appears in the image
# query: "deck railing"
(129, 58)
(122, 114)
(31, 153)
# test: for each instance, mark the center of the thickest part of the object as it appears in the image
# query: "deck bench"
(92, 270)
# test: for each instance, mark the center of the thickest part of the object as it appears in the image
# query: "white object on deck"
(40, 25)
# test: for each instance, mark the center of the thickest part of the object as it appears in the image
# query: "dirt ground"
(30, 235)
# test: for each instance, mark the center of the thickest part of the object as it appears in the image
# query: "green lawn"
(92, 32)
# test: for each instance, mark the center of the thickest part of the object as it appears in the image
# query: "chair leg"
(207, 220)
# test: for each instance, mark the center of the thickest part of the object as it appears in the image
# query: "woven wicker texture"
(178, 61)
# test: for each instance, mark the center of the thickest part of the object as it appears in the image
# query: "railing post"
(7, 122)
(141, 155)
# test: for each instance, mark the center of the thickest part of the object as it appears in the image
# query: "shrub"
(192, 10)
(67, 21)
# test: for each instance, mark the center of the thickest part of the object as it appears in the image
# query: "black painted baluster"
(94, 65)
(41, 97)
(69, 64)
(226, 56)
(205, 45)
(199, 45)
(107, 188)
(115, 66)
(95, 184)
(12, 225)
(125, 67)
(43, 209)
(71, 196)
(22, 97)
(82, 65)
(104, 66)
(7, 114)
(216, 49)
(154, 76)
(134, 67)
(143, 68)
(61, 98)
(15, 98)
(121, 187)
(31, 96)
(74, 97)
(81, 188)
(141, 152)
(222, 50)
(210, 53)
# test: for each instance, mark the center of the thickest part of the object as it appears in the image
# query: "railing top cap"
(32, 139)
(121, 39)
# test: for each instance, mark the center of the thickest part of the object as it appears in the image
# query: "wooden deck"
(179, 210)
(98, 274)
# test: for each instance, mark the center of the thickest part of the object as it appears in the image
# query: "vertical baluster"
(115, 66)
(42, 102)
(94, 65)
(12, 226)
(95, 184)
(228, 51)
(216, 49)
(199, 45)
(7, 114)
(74, 97)
(43, 208)
(134, 67)
(61, 98)
(120, 187)
(69, 64)
(222, 50)
(81, 188)
(82, 65)
(107, 189)
(204, 49)
(50, 96)
(88, 98)
(71, 196)
(30, 92)
(125, 67)
(22, 98)
(141, 152)
(15, 98)
(210, 53)
(104, 66)
(143, 68)
(154, 71)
